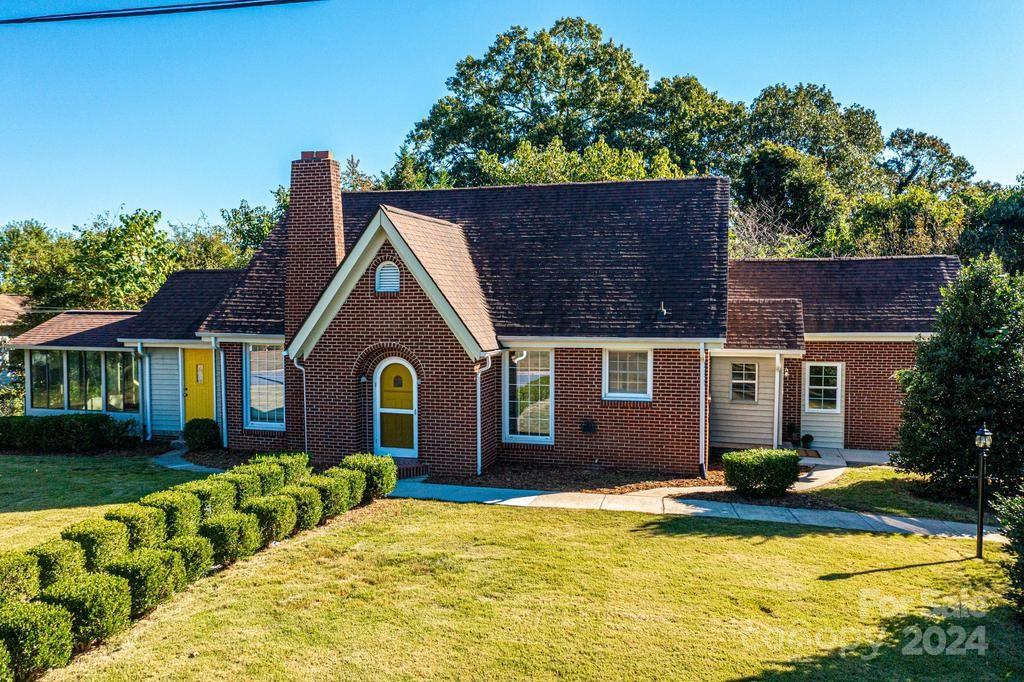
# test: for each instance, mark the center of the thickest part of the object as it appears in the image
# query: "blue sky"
(191, 113)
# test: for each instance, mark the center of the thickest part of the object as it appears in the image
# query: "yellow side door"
(198, 366)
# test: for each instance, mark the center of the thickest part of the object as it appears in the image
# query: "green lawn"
(42, 494)
(883, 490)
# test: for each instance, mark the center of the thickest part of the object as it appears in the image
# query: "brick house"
(596, 324)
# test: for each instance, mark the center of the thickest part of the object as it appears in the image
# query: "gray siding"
(742, 423)
(826, 427)
(166, 391)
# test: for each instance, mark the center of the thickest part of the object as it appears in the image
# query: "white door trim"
(377, 410)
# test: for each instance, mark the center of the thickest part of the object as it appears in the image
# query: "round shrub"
(355, 480)
(6, 672)
(201, 434)
(181, 510)
(100, 604)
(271, 475)
(334, 494)
(216, 495)
(276, 515)
(146, 525)
(152, 574)
(309, 508)
(1010, 512)
(761, 472)
(247, 486)
(295, 465)
(196, 554)
(233, 536)
(103, 541)
(19, 576)
(58, 559)
(381, 473)
(37, 636)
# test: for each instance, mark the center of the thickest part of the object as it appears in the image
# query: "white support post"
(776, 435)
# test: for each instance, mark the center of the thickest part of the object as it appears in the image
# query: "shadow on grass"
(888, 569)
(898, 497)
(956, 644)
(738, 528)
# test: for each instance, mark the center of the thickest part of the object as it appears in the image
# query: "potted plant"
(806, 441)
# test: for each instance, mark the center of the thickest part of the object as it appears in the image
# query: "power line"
(178, 8)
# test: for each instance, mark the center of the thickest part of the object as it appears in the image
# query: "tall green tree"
(797, 189)
(247, 226)
(555, 163)
(202, 246)
(969, 372)
(914, 222)
(916, 158)
(847, 140)
(566, 82)
(997, 226)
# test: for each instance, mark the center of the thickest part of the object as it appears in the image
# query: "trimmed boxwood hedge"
(309, 508)
(6, 672)
(103, 541)
(355, 480)
(761, 472)
(196, 554)
(276, 515)
(100, 604)
(216, 495)
(58, 559)
(295, 464)
(271, 475)
(153, 575)
(146, 525)
(381, 473)
(247, 486)
(37, 636)
(182, 510)
(74, 433)
(334, 494)
(19, 576)
(233, 536)
(201, 434)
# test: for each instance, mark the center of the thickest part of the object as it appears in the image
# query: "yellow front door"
(198, 366)
(396, 410)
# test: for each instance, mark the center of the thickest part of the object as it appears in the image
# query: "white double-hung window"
(823, 387)
(264, 387)
(627, 375)
(743, 386)
(528, 399)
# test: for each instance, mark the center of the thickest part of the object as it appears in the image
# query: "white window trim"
(840, 382)
(376, 278)
(507, 437)
(66, 386)
(733, 382)
(633, 397)
(249, 424)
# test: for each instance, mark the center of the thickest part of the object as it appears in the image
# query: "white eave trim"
(165, 343)
(352, 269)
(755, 353)
(243, 338)
(870, 336)
(610, 342)
(110, 349)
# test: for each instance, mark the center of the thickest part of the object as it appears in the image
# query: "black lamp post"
(983, 441)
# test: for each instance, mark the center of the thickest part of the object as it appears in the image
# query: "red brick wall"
(239, 437)
(339, 374)
(872, 404)
(660, 435)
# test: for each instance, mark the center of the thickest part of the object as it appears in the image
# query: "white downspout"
(219, 387)
(305, 420)
(776, 435)
(147, 379)
(479, 419)
(703, 409)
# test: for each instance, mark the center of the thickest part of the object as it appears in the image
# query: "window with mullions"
(528, 406)
(265, 389)
(744, 382)
(823, 387)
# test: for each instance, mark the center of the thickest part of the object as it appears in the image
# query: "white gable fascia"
(869, 336)
(379, 231)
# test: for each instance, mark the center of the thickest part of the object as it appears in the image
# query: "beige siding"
(742, 423)
(165, 409)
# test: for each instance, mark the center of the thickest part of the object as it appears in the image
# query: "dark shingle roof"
(12, 307)
(849, 295)
(765, 323)
(442, 250)
(585, 259)
(79, 329)
(255, 304)
(180, 306)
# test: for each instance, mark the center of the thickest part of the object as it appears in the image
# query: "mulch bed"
(578, 480)
(792, 500)
(218, 459)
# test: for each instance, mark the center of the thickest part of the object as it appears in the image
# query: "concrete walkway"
(654, 503)
(174, 460)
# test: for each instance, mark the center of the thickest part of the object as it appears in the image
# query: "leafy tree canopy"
(914, 222)
(924, 160)
(997, 226)
(247, 226)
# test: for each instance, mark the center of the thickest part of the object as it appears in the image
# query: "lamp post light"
(983, 441)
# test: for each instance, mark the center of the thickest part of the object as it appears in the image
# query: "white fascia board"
(755, 353)
(612, 342)
(112, 349)
(352, 269)
(870, 336)
(269, 339)
(164, 343)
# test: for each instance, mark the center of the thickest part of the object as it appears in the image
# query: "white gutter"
(703, 409)
(479, 420)
(305, 420)
(776, 436)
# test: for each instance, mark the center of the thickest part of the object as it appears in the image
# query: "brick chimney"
(315, 236)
